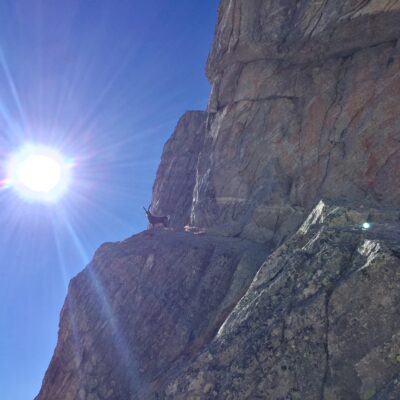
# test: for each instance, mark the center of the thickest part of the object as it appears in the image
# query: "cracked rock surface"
(299, 30)
(304, 106)
(320, 320)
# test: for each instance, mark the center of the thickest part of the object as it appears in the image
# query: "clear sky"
(104, 82)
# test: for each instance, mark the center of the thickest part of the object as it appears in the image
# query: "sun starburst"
(39, 173)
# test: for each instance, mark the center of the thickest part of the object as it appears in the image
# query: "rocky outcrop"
(176, 175)
(275, 294)
(306, 106)
(142, 306)
(320, 320)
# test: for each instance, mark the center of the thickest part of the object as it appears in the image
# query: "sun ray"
(13, 87)
(120, 342)
(70, 306)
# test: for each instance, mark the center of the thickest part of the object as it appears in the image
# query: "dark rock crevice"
(326, 345)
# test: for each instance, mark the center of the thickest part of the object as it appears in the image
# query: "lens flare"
(39, 173)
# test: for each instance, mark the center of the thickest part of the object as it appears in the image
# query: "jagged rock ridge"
(304, 106)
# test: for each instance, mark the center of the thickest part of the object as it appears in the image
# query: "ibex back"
(154, 220)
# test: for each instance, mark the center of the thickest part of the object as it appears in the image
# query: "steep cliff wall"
(299, 30)
(305, 106)
(143, 305)
(320, 320)
(176, 174)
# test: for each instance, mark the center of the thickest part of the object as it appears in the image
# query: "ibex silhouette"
(154, 220)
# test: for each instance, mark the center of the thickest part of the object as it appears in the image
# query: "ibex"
(154, 220)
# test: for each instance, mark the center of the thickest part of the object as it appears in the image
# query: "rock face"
(299, 30)
(306, 106)
(278, 292)
(320, 320)
(176, 175)
(143, 305)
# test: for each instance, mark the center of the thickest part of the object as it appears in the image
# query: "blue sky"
(105, 83)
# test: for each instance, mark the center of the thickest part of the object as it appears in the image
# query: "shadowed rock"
(176, 175)
(142, 307)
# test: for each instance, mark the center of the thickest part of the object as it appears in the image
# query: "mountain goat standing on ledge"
(154, 220)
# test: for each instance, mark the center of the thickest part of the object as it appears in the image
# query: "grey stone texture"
(305, 105)
(320, 320)
(176, 174)
(143, 305)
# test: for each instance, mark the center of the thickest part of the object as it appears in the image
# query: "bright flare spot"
(39, 173)
(366, 225)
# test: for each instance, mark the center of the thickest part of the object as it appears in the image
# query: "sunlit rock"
(319, 321)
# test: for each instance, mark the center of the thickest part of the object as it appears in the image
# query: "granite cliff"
(267, 284)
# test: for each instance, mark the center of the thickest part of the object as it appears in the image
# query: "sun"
(39, 173)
